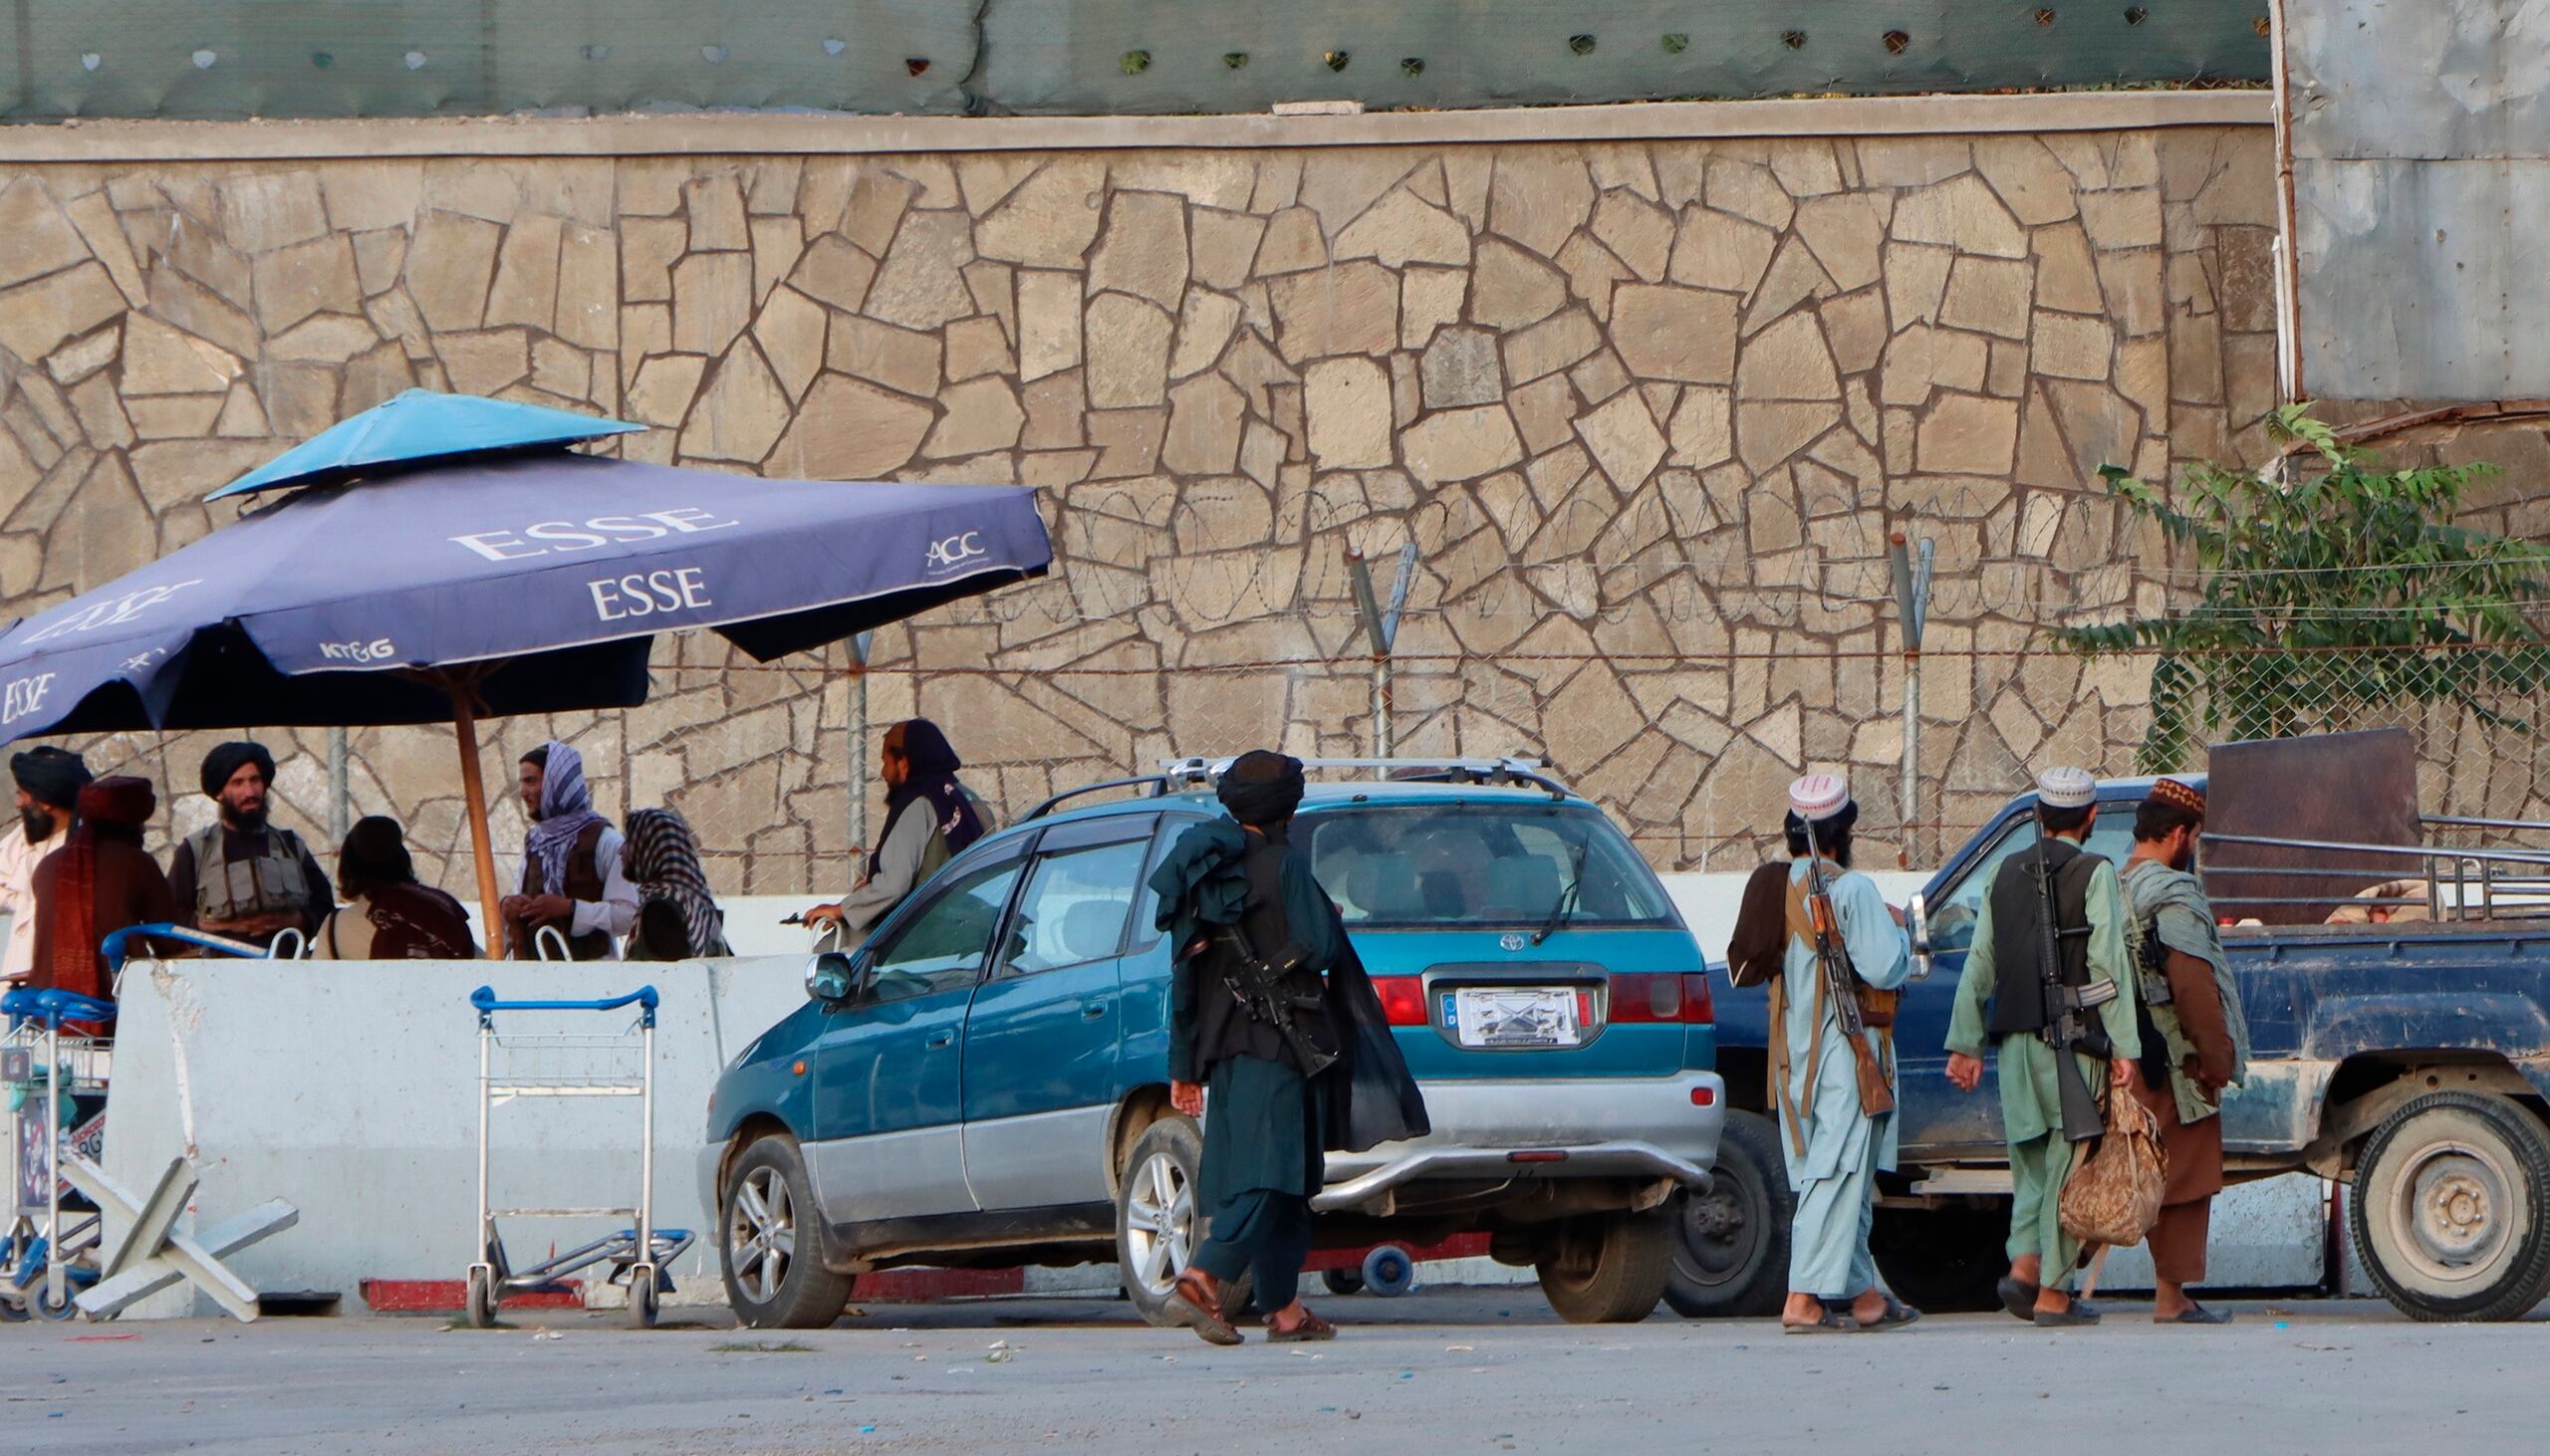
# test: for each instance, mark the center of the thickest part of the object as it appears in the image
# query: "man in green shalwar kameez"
(2003, 998)
(1263, 1137)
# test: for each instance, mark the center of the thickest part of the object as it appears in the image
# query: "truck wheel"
(1943, 1261)
(2451, 1208)
(1730, 1254)
(1607, 1269)
(770, 1242)
(1158, 1224)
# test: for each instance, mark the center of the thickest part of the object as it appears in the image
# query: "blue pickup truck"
(2408, 1059)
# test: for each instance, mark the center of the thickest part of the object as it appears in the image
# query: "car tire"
(1945, 1261)
(1730, 1256)
(2450, 1208)
(1158, 1224)
(1607, 1269)
(770, 1242)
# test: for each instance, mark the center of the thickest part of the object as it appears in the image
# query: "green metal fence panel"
(225, 59)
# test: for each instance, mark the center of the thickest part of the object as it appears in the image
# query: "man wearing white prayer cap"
(1835, 1151)
(2003, 998)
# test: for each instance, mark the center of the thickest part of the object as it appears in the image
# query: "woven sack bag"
(2114, 1196)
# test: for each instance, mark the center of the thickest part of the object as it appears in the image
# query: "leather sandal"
(1832, 1322)
(2018, 1296)
(2079, 1312)
(1311, 1327)
(1896, 1315)
(1189, 1305)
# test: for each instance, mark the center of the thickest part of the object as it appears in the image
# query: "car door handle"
(1092, 1011)
(938, 1040)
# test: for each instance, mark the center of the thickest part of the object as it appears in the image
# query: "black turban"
(1261, 787)
(50, 775)
(227, 758)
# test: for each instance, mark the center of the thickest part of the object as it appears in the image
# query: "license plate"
(1515, 1016)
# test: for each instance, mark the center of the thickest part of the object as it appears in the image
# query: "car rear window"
(1474, 864)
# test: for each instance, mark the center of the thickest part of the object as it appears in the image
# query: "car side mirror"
(1916, 920)
(830, 977)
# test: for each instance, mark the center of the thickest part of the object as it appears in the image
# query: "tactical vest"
(255, 896)
(582, 881)
(2019, 1003)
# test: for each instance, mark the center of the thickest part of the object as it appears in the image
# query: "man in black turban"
(239, 876)
(49, 784)
(1255, 933)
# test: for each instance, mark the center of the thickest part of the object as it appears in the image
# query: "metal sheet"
(2422, 196)
(218, 59)
(2336, 787)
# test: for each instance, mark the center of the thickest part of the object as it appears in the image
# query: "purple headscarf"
(566, 808)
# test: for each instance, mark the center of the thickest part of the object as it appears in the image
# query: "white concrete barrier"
(351, 1089)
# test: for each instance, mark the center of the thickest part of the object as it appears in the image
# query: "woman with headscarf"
(573, 880)
(99, 882)
(930, 817)
(677, 919)
(389, 915)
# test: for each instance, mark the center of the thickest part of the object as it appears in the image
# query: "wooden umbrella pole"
(464, 722)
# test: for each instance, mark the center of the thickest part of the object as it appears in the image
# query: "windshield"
(1472, 865)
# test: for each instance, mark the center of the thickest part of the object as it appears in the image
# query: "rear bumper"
(1636, 1127)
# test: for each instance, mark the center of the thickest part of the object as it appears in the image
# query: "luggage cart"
(55, 1084)
(516, 1064)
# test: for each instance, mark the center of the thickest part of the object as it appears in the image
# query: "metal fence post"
(339, 806)
(1912, 608)
(1382, 628)
(857, 646)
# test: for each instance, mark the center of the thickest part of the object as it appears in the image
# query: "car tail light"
(1402, 1000)
(1661, 997)
(1705, 1097)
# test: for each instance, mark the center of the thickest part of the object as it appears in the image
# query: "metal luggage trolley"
(49, 1072)
(46, 1077)
(515, 1065)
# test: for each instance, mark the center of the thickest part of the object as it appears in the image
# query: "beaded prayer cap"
(1818, 796)
(2178, 795)
(2067, 789)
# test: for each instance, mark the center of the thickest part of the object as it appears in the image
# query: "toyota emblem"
(1512, 942)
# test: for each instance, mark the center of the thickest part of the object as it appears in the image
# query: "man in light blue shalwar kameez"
(1835, 1151)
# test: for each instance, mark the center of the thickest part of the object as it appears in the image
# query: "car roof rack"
(1505, 772)
(1157, 783)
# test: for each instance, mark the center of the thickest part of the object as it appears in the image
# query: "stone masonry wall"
(1648, 411)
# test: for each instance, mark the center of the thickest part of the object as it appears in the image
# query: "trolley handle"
(53, 1006)
(112, 947)
(484, 998)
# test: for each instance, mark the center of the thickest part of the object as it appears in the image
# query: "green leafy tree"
(2340, 589)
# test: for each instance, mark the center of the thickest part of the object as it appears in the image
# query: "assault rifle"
(1263, 994)
(1842, 981)
(2067, 1027)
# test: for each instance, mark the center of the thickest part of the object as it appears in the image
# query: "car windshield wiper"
(1565, 910)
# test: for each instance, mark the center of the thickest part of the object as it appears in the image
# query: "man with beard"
(2195, 1041)
(49, 784)
(240, 876)
(1835, 1149)
(573, 878)
(99, 882)
(2009, 998)
(930, 817)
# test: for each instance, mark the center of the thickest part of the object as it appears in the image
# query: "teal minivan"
(984, 1082)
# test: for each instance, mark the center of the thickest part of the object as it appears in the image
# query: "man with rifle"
(1272, 1017)
(2050, 981)
(1833, 1064)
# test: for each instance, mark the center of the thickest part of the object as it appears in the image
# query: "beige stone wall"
(1647, 409)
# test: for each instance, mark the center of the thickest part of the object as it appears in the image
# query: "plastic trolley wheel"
(40, 1298)
(641, 1297)
(481, 1308)
(1389, 1271)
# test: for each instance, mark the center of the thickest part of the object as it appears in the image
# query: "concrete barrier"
(350, 1088)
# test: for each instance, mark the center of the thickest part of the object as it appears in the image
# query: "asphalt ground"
(1434, 1372)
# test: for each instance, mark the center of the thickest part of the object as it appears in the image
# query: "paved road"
(1437, 1373)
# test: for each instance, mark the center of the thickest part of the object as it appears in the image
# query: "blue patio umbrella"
(418, 425)
(493, 585)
